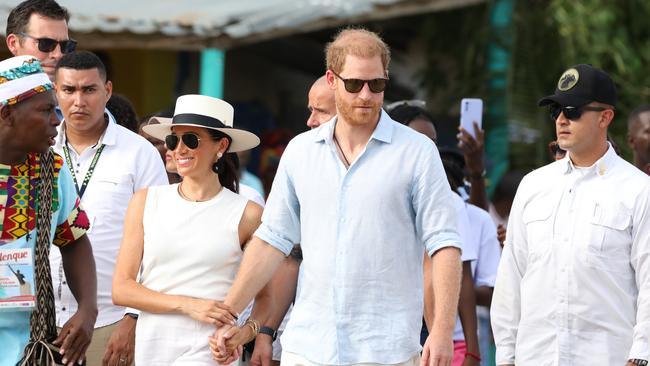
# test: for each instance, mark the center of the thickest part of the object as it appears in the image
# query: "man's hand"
(75, 336)
(438, 351)
(263, 353)
(209, 311)
(121, 344)
(223, 352)
(472, 149)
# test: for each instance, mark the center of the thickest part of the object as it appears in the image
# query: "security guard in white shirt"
(573, 286)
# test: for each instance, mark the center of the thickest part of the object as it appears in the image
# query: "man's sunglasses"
(571, 113)
(189, 139)
(49, 44)
(355, 85)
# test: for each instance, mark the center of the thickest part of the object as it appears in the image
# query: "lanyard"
(89, 173)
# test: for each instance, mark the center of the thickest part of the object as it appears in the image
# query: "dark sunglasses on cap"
(49, 44)
(190, 140)
(572, 113)
(355, 85)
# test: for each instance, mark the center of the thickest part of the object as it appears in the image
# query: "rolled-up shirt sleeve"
(505, 311)
(280, 226)
(435, 213)
(640, 261)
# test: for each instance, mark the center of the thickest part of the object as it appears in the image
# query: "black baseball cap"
(580, 85)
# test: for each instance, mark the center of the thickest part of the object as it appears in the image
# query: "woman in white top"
(184, 241)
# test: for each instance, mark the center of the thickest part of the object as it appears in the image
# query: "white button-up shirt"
(127, 163)
(363, 234)
(573, 286)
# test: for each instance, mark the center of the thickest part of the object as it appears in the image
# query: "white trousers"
(292, 359)
(173, 339)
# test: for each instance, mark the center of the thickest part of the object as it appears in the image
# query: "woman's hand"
(208, 311)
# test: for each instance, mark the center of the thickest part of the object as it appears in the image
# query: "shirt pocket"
(610, 238)
(537, 217)
(112, 192)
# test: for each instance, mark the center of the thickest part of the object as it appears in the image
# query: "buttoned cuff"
(639, 350)
(505, 355)
(266, 234)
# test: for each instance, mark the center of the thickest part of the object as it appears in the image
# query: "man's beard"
(356, 116)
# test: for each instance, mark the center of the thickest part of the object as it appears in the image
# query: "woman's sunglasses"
(189, 139)
(355, 85)
(49, 44)
(571, 113)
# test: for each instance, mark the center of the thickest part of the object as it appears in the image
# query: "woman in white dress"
(183, 242)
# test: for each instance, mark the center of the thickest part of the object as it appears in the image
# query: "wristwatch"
(132, 315)
(269, 332)
(639, 362)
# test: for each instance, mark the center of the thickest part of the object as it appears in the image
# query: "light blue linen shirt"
(363, 233)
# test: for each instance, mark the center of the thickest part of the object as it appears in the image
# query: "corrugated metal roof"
(225, 22)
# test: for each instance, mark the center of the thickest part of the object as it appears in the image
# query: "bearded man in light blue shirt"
(365, 197)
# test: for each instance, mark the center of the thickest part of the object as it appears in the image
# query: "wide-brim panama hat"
(207, 112)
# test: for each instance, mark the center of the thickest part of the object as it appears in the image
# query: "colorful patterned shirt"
(18, 197)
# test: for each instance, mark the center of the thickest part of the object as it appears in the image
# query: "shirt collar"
(601, 167)
(383, 131)
(109, 137)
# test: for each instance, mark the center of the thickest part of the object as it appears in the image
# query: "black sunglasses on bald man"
(355, 85)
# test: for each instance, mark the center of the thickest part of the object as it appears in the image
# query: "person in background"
(638, 135)
(465, 337)
(501, 203)
(321, 103)
(123, 111)
(39, 28)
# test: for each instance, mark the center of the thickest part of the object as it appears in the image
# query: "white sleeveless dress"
(190, 249)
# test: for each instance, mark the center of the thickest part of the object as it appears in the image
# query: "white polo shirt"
(127, 163)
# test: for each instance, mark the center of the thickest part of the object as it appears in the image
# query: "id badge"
(17, 289)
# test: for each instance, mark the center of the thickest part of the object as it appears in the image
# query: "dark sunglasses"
(49, 44)
(571, 113)
(189, 139)
(355, 85)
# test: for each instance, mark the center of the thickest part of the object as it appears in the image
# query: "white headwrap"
(21, 77)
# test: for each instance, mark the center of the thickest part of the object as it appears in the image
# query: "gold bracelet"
(255, 326)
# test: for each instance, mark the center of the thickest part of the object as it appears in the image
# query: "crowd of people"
(372, 246)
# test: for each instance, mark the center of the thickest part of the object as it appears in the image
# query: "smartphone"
(471, 110)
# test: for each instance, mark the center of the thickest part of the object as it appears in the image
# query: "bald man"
(320, 102)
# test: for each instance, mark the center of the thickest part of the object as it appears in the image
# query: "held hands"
(438, 351)
(121, 345)
(472, 149)
(75, 336)
(227, 343)
(209, 311)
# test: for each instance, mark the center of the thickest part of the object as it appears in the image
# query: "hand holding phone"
(471, 110)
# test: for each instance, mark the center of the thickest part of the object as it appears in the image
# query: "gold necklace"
(180, 192)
